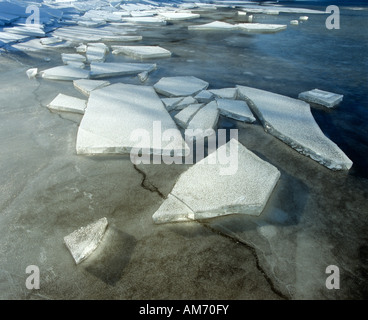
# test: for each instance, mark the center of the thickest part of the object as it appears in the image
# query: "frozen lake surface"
(314, 218)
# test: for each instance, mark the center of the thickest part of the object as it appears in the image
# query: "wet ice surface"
(314, 218)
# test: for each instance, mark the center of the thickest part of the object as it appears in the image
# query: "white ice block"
(185, 115)
(85, 86)
(180, 86)
(142, 52)
(185, 102)
(82, 242)
(324, 98)
(261, 27)
(205, 119)
(32, 73)
(68, 57)
(66, 73)
(235, 109)
(213, 26)
(117, 115)
(204, 96)
(171, 103)
(225, 93)
(213, 187)
(97, 52)
(66, 103)
(111, 69)
(291, 121)
(178, 16)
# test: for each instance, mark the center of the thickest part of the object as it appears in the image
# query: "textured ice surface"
(206, 118)
(102, 70)
(96, 52)
(225, 93)
(203, 191)
(72, 57)
(185, 102)
(184, 116)
(215, 25)
(261, 27)
(85, 86)
(179, 15)
(324, 98)
(204, 96)
(142, 52)
(235, 109)
(291, 121)
(116, 112)
(67, 73)
(63, 102)
(180, 86)
(82, 242)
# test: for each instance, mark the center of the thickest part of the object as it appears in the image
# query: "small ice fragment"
(180, 86)
(204, 96)
(303, 18)
(205, 119)
(324, 98)
(31, 73)
(235, 109)
(66, 103)
(82, 242)
(85, 86)
(294, 22)
(171, 103)
(177, 16)
(185, 102)
(225, 93)
(81, 48)
(143, 76)
(96, 52)
(215, 25)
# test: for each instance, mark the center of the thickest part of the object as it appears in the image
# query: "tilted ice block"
(111, 69)
(214, 187)
(205, 120)
(184, 116)
(142, 52)
(96, 52)
(67, 57)
(63, 102)
(171, 103)
(120, 117)
(173, 16)
(180, 86)
(216, 26)
(67, 73)
(261, 27)
(204, 96)
(324, 98)
(225, 93)
(32, 73)
(143, 76)
(235, 109)
(291, 121)
(185, 102)
(85, 86)
(82, 242)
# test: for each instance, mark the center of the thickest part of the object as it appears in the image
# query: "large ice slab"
(85, 86)
(142, 52)
(82, 242)
(324, 98)
(177, 16)
(235, 109)
(180, 86)
(213, 26)
(66, 103)
(205, 119)
(185, 115)
(118, 114)
(67, 73)
(111, 69)
(291, 121)
(261, 27)
(205, 190)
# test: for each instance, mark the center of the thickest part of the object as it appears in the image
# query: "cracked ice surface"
(116, 114)
(82, 242)
(205, 119)
(180, 86)
(291, 121)
(204, 191)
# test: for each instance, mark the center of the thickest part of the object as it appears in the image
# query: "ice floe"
(67, 73)
(117, 115)
(177, 16)
(142, 52)
(67, 103)
(82, 242)
(214, 26)
(235, 109)
(204, 96)
(204, 191)
(155, 21)
(180, 86)
(225, 93)
(261, 27)
(85, 86)
(72, 57)
(291, 121)
(110, 69)
(171, 103)
(205, 120)
(324, 98)
(185, 102)
(97, 52)
(185, 115)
